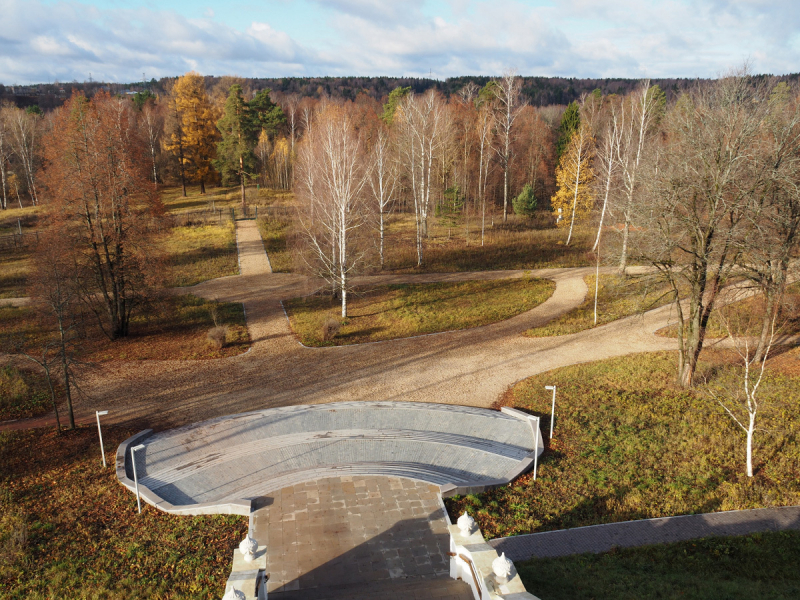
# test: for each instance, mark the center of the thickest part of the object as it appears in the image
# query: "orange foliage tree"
(102, 204)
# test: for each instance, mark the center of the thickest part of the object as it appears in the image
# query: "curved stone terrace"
(225, 464)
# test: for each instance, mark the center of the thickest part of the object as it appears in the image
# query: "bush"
(330, 329)
(525, 203)
(218, 337)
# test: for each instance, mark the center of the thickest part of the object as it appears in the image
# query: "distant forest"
(539, 91)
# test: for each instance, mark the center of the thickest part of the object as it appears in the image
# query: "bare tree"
(423, 123)
(485, 129)
(383, 181)
(741, 399)
(331, 177)
(24, 138)
(5, 153)
(638, 115)
(509, 104)
(152, 123)
(710, 169)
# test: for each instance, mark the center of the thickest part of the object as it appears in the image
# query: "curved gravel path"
(469, 367)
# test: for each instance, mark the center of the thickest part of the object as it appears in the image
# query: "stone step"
(440, 588)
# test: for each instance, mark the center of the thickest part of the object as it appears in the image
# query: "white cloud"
(583, 38)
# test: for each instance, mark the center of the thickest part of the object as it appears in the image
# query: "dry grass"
(198, 253)
(68, 529)
(516, 245)
(23, 393)
(744, 317)
(174, 328)
(15, 262)
(398, 311)
(275, 232)
(618, 297)
(629, 444)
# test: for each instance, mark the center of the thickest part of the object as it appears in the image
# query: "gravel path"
(470, 367)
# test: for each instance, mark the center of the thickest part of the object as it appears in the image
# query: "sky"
(120, 40)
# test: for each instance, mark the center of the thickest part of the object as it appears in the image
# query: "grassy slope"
(82, 535)
(274, 233)
(753, 566)
(23, 393)
(617, 297)
(629, 444)
(15, 262)
(397, 311)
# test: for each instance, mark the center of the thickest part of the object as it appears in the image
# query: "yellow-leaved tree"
(192, 131)
(573, 198)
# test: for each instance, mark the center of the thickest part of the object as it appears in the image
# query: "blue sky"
(118, 40)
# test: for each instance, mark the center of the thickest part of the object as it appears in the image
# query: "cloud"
(580, 38)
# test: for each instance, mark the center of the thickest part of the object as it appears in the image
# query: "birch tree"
(24, 139)
(509, 104)
(331, 177)
(485, 132)
(574, 177)
(383, 182)
(423, 124)
(638, 115)
(5, 155)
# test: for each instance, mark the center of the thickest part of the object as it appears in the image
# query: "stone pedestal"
(249, 577)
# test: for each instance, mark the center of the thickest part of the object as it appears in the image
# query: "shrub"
(330, 329)
(218, 337)
(525, 203)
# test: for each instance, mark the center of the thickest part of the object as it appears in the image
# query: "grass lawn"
(174, 328)
(68, 529)
(15, 262)
(398, 311)
(516, 245)
(763, 565)
(618, 296)
(221, 197)
(23, 393)
(199, 252)
(629, 444)
(274, 233)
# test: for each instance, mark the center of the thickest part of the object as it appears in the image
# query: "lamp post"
(552, 410)
(536, 448)
(98, 414)
(135, 476)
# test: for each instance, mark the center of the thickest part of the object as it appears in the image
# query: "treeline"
(537, 91)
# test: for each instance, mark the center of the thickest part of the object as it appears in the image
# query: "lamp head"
(139, 447)
(100, 413)
(549, 387)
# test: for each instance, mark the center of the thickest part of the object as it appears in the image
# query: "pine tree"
(570, 122)
(235, 156)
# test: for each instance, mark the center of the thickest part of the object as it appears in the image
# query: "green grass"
(23, 394)
(198, 253)
(618, 297)
(763, 565)
(629, 444)
(68, 529)
(274, 233)
(397, 311)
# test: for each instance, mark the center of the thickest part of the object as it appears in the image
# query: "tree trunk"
(202, 186)
(241, 179)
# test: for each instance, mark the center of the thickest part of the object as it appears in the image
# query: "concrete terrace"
(250, 455)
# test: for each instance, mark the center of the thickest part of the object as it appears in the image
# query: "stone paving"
(602, 538)
(357, 537)
(252, 454)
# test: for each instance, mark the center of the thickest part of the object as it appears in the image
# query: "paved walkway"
(645, 532)
(353, 537)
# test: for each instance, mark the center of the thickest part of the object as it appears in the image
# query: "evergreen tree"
(570, 122)
(235, 156)
(525, 203)
(393, 102)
